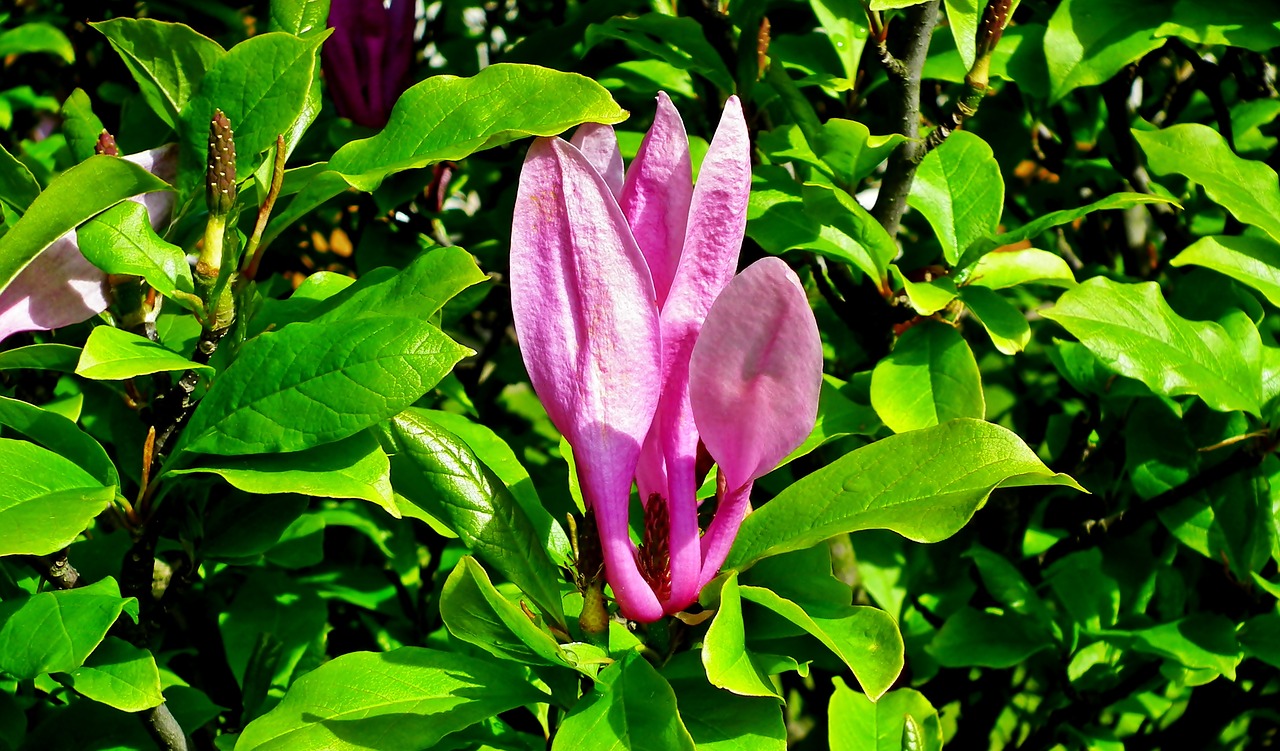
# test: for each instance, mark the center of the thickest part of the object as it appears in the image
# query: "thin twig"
(255, 249)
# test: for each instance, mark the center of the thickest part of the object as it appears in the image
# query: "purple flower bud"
(368, 58)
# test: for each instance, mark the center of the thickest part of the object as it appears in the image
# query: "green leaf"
(679, 41)
(926, 297)
(847, 146)
(720, 721)
(631, 707)
(314, 383)
(261, 85)
(845, 24)
(931, 377)
(59, 357)
(299, 17)
(112, 354)
(975, 638)
(241, 527)
(1014, 267)
(1249, 189)
(354, 467)
(168, 60)
(866, 639)
(80, 125)
(1260, 637)
(855, 723)
(1005, 583)
(419, 291)
(962, 17)
(120, 240)
(448, 118)
(1133, 330)
(403, 700)
(436, 469)
(959, 190)
(838, 416)
(18, 187)
(1007, 326)
(119, 675)
(881, 486)
(871, 245)
(1203, 641)
(1089, 41)
(1254, 261)
(46, 500)
(724, 653)
(269, 626)
(60, 435)
(1237, 23)
(54, 632)
(475, 612)
(66, 203)
(34, 36)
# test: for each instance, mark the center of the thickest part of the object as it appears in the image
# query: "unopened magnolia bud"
(106, 144)
(220, 177)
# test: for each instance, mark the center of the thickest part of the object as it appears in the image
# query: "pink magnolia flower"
(60, 287)
(642, 344)
(368, 59)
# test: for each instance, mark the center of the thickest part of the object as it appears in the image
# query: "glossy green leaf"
(925, 297)
(1006, 325)
(1249, 189)
(54, 632)
(418, 291)
(848, 147)
(880, 486)
(119, 675)
(724, 653)
(959, 189)
(81, 126)
(59, 357)
(1236, 23)
(1158, 452)
(1254, 261)
(962, 17)
(1089, 41)
(299, 17)
(46, 500)
(36, 36)
(975, 638)
(930, 377)
(354, 467)
(838, 415)
(1203, 641)
(112, 354)
(866, 639)
(778, 220)
(448, 118)
(1133, 330)
(61, 435)
(855, 723)
(314, 383)
(720, 721)
(438, 470)
(837, 209)
(1014, 267)
(18, 187)
(631, 706)
(66, 203)
(120, 240)
(475, 612)
(845, 24)
(168, 60)
(403, 700)
(679, 41)
(261, 85)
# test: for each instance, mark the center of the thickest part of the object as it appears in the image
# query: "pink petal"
(57, 289)
(584, 311)
(599, 145)
(655, 197)
(754, 379)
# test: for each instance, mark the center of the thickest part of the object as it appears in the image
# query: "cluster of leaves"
(346, 522)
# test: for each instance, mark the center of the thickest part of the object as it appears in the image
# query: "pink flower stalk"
(643, 345)
(368, 58)
(60, 287)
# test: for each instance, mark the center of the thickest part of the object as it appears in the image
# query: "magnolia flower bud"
(106, 144)
(220, 177)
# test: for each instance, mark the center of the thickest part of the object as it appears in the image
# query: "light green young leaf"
(1014, 267)
(80, 125)
(46, 500)
(724, 653)
(880, 486)
(866, 639)
(1254, 261)
(120, 240)
(354, 467)
(931, 377)
(418, 291)
(962, 17)
(856, 723)
(61, 435)
(835, 208)
(66, 203)
(1089, 41)
(168, 60)
(59, 357)
(1249, 189)
(845, 24)
(926, 298)
(36, 36)
(959, 189)
(313, 383)
(119, 675)
(631, 707)
(1235, 23)
(112, 354)
(299, 17)
(1133, 330)
(54, 632)
(850, 150)
(18, 187)
(1007, 326)
(448, 118)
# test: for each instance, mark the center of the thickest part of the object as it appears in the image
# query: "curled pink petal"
(718, 540)
(655, 197)
(599, 145)
(583, 306)
(57, 289)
